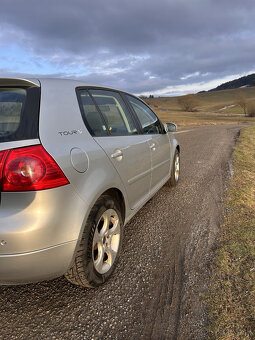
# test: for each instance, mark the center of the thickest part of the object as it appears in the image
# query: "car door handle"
(118, 154)
(153, 146)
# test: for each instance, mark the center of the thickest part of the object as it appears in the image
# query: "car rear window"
(19, 111)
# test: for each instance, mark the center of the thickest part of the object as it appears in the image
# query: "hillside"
(214, 101)
(245, 81)
(214, 107)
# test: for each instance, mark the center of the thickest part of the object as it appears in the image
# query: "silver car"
(77, 161)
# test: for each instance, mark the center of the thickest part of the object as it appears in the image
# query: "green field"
(213, 108)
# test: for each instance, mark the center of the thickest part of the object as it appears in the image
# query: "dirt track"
(154, 293)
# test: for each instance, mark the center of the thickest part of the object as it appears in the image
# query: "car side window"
(91, 116)
(115, 112)
(149, 121)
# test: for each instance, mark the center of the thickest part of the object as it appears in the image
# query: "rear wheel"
(100, 245)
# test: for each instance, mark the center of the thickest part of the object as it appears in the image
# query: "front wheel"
(100, 245)
(175, 171)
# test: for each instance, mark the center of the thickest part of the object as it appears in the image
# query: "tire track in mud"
(162, 312)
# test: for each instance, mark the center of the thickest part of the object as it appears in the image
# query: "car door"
(114, 129)
(159, 141)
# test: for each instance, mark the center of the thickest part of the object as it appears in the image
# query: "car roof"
(67, 82)
(45, 82)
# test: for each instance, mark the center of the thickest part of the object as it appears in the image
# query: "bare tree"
(250, 109)
(188, 102)
(243, 101)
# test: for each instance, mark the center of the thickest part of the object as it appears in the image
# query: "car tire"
(175, 171)
(100, 245)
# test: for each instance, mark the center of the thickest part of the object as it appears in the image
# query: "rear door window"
(19, 110)
(105, 113)
(92, 118)
(114, 112)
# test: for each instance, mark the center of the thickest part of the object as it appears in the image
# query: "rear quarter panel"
(60, 113)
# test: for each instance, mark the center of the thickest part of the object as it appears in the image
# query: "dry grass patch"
(231, 301)
(201, 118)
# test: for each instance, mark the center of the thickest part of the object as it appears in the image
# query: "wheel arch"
(117, 194)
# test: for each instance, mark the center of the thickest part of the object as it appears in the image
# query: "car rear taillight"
(2, 158)
(29, 168)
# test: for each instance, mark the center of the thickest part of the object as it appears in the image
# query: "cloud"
(191, 75)
(139, 46)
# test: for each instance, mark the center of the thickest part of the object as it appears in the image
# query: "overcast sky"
(160, 47)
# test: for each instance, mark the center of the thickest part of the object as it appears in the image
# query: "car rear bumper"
(30, 221)
(36, 266)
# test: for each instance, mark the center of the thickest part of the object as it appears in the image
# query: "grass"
(213, 108)
(231, 300)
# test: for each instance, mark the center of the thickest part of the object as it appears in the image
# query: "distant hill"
(246, 81)
(220, 102)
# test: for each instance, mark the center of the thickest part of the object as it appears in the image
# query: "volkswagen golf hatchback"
(76, 163)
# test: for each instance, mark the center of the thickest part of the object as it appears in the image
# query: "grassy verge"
(231, 300)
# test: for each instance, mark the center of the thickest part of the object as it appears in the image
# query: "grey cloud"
(140, 45)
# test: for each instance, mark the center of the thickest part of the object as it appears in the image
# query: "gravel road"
(155, 290)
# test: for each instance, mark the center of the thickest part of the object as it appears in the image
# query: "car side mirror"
(170, 127)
